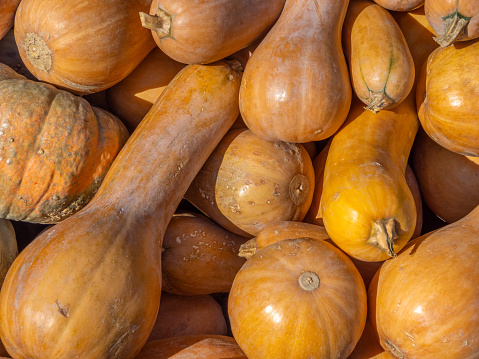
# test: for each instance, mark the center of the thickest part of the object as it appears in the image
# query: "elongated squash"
(381, 65)
(368, 209)
(400, 5)
(90, 286)
(296, 87)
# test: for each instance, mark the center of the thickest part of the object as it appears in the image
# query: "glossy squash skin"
(90, 286)
(381, 65)
(193, 346)
(446, 97)
(188, 315)
(248, 182)
(296, 87)
(55, 149)
(427, 299)
(204, 31)
(7, 15)
(84, 46)
(400, 5)
(132, 97)
(453, 20)
(368, 209)
(297, 298)
(449, 181)
(199, 256)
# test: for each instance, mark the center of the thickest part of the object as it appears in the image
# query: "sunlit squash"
(199, 256)
(453, 20)
(84, 46)
(207, 31)
(248, 182)
(368, 209)
(446, 97)
(298, 298)
(55, 149)
(7, 15)
(296, 87)
(90, 286)
(381, 65)
(426, 300)
(400, 5)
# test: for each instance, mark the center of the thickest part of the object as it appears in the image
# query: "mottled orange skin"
(449, 181)
(188, 315)
(90, 286)
(55, 149)
(94, 43)
(400, 5)
(7, 15)
(426, 300)
(192, 346)
(199, 256)
(272, 316)
(132, 97)
(446, 97)
(296, 87)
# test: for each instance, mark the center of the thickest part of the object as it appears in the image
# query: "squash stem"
(159, 23)
(378, 101)
(309, 281)
(455, 25)
(248, 248)
(383, 235)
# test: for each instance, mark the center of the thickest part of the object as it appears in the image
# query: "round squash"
(426, 300)
(55, 149)
(296, 87)
(84, 46)
(298, 298)
(446, 97)
(90, 286)
(201, 32)
(7, 15)
(453, 20)
(248, 182)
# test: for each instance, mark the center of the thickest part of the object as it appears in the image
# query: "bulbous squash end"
(38, 52)
(383, 235)
(455, 26)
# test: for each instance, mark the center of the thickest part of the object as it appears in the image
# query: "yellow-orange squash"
(248, 182)
(55, 149)
(90, 286)
(381, 65)
(298, 298)
(400, 5)
(453, 20)
(295, 86)
(426, 300)
(84, 46)
(368, 209)
(447, 97)
(207, 31)
(7, 14)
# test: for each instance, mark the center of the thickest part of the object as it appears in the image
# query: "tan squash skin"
(381, 65)
(446, 97)
(368, 209)
(298, 298)
(193, 346)
(453, 20)
(191, 315)
(7, 15)
(55, 149)
(199, 256)
(90, 286)
(84, 46)
(296, 87)
(427, 298)
(206, 31)
(400, 5)
(248, 182)
(132, 97)
(449, 181)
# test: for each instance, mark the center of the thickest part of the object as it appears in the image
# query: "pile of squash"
(239, 179)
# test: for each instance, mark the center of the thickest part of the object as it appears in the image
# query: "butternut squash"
(90, 286)
(296, 87)
(381, 65)
(207, 31)
(368, 209)
(400, 5)
(453, 20)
